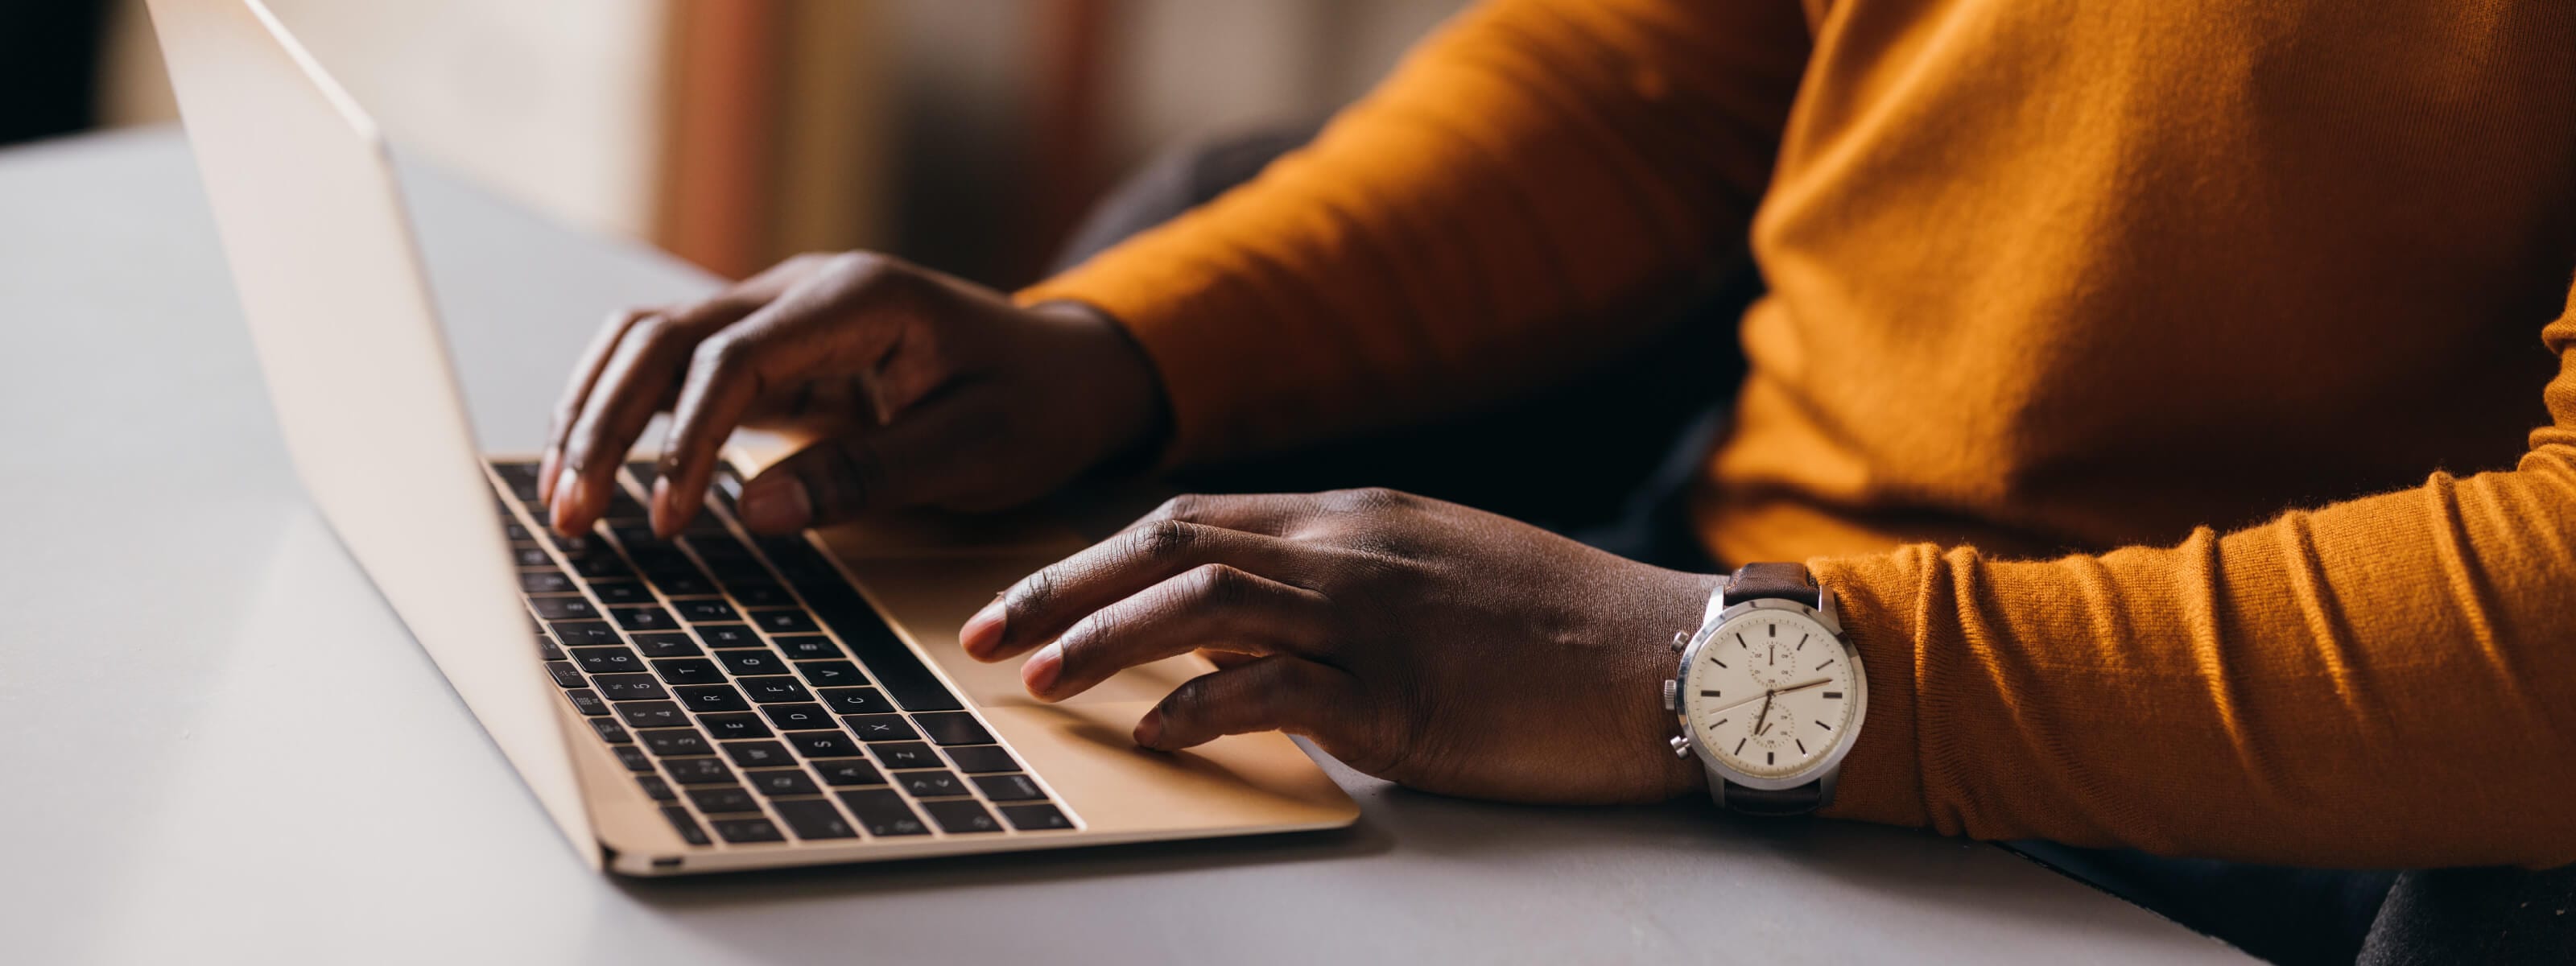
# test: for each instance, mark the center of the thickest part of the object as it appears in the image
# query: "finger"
(640, 372)
(1275, 693)
(1209, 606)
(585, 374)
(1043, 604)
(917, 459)
(832, 323)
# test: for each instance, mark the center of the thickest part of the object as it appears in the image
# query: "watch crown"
(1681, 639)
(1681, 746)
(1672, 689)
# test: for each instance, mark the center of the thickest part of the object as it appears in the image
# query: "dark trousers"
(1605, 458)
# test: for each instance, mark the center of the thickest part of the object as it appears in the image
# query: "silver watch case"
(1828, 767)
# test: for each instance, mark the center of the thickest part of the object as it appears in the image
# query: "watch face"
(1770, 693)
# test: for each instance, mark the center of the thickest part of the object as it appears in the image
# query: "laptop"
(718, 701)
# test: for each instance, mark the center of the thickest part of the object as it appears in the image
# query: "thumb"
(906, 463)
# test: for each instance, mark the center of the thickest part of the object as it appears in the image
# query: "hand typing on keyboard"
(927, 390)
(1420, 641)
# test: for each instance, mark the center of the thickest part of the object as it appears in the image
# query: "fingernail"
(666, 518)
(546, 470)
(1149, 729)
(776, 505)
(1043, 669)
(571, 492)
(982, 634)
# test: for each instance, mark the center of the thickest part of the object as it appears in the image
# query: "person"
(2175, 400)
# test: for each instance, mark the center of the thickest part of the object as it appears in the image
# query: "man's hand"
(928, 390)
(1424, 642)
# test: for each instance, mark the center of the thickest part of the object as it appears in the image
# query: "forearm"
(1512, 205)
(2383, 682)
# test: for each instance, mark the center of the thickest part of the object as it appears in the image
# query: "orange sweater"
(2070, 305)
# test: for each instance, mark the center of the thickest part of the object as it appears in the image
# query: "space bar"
(886, 658)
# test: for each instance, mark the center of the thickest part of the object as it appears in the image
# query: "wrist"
(1114, 381)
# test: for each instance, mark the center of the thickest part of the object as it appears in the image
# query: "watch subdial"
(1776, 728)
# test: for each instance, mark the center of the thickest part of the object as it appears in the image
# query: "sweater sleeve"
(2388, 681)
(1500, 212)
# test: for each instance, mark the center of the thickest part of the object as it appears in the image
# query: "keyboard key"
(814, 818)
(712, 697)
(808, 647)
(549, 650)
(823, 744)
(656, 787)
(902, 755)
(531, 557)
(742, 830)
(1035, 818)
(584, 633)
(565, 675)
(607, 660)
(858, 701)
(982, 759)
(638, 538)
(689, 670)
(931, 784)
(798, 717)
(784, 781)
(776, 690)
(954, 728)
(687, 583)
(749, 663)
(518, 477)
(704, 610)
(652, 714)
(643, 618)
(620, 593)
(514, 532)
(885, 657)
(783, 621)
(660, 560)
(1009, 788)
(727, 726)
(563, 608)
(677, 743)
(698, 771)
(831, 674)
(549, 581)
(587, 701)
(881, 727)
(686, 825)
(610, 731)
(849, 771)
(759, 754)
(758, 592)
(633, 758)
(882, 812)
(717, 801)
(721, 636)
(574, 548)
(961, 817)
(667, 645)
(629, 687)
(602, 566)
(644, 472)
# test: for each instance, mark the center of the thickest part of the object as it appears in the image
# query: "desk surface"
(210, 717)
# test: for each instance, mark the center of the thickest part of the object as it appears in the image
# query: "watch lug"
(1681, 746)
(1672, 694)
(1681, 639)
(1826, 611)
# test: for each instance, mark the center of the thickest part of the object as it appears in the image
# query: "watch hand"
(1765, 695)
(1802, 687)
(1763, 720)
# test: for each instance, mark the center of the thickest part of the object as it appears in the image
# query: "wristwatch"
(1769, 694)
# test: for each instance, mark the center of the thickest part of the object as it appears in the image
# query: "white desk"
(220, 745)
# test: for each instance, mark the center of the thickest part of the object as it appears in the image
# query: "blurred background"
(969, 135)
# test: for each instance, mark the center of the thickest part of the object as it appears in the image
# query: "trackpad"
(929, 596)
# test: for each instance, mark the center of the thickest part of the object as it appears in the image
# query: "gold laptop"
(713, 702)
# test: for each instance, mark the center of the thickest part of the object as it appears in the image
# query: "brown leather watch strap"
(1787, 801)
(1785, 581)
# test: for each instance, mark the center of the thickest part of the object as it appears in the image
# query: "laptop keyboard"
(749, 687)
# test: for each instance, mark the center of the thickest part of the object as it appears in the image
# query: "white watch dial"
(1770, 693)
